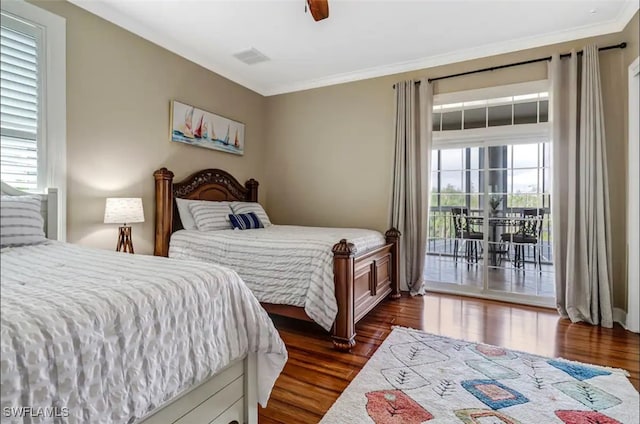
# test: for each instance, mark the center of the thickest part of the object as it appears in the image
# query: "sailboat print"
(198, 127)
(198, 131)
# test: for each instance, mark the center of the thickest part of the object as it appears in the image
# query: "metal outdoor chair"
(529, 233)
(465, 234)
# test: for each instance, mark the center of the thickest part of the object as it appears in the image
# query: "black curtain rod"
(526, 62)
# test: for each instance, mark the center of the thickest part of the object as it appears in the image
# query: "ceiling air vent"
(251, 56)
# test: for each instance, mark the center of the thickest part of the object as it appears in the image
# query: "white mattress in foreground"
(283, 264)
(112, 336)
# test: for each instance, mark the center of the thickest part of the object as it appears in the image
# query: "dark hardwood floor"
(315, 374)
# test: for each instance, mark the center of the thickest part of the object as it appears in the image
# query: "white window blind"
(20, 104)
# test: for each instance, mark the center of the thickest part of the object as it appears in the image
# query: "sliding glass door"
(490, 223)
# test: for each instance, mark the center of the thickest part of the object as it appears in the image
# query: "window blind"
(19, 104)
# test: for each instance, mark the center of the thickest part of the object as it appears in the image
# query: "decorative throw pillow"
(185, 214)
(245, 221)
(211, 216)
(21, 221)
(255, 207)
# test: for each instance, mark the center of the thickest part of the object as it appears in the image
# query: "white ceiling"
(360, 39)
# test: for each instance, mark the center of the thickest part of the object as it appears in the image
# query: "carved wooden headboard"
(208, 184)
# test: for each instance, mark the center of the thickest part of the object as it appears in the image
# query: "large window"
(20, 102)
(33, 101)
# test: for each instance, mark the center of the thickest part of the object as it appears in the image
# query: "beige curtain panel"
(411, 178)
(580, 202)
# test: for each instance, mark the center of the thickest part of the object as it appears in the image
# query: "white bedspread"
(112, 336)
(282, 264)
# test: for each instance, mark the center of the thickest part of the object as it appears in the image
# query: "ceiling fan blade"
(319, 9)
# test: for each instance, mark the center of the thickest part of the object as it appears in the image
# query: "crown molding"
(608, 27)
(105, 11)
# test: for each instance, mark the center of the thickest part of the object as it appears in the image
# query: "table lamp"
(123, 210)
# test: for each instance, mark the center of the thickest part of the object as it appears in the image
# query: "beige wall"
(329, 150)
(118, 91)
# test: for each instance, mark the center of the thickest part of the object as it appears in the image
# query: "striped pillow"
(245, 221)
(246, 207)
(211, 216)
(21, 222)
(185, 214)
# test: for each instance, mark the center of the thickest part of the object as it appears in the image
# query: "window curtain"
(411, 178)
(580, 198)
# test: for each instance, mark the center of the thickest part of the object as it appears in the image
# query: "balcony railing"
(442, 233)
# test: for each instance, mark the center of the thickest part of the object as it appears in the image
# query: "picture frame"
(197, 127)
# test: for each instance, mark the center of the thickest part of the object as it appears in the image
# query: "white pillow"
(255, 207)
(21, 222)
(185, 214)
(211, 216)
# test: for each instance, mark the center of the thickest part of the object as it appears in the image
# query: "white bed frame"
(229, 397)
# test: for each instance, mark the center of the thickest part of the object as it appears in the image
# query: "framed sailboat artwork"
(198, 127)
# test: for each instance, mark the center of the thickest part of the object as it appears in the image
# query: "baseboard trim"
(620, 316)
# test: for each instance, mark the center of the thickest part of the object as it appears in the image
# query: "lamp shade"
(122, 210)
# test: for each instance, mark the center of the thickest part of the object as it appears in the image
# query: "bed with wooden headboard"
(362, 279)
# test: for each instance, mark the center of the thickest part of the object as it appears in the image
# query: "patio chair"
(464, 234)
(529, 233)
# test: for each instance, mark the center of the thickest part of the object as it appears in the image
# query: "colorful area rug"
(416, 377)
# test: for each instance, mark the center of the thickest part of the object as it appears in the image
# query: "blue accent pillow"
(245, 221)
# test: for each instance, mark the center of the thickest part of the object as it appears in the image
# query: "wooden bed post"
(252, 186)
(393, 236)
(344, 328)
(164, 211)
